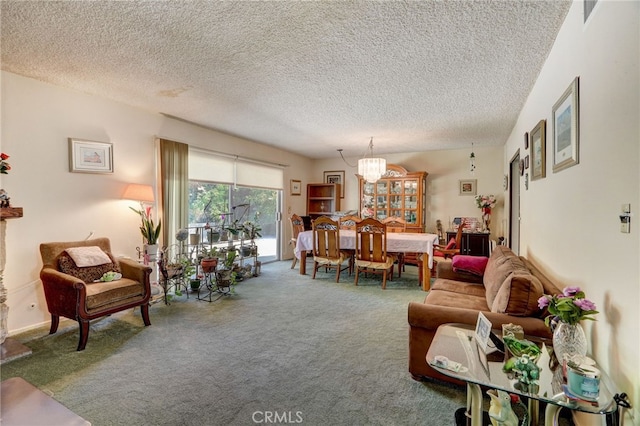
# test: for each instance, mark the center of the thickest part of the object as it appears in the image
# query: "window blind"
(221, 168)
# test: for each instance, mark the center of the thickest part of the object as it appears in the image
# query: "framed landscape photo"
(90, 157)
(468, 187)
(296, 187)
(566, 128)
(335, 176)
(538, 150)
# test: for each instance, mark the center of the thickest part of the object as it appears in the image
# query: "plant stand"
(212, 285)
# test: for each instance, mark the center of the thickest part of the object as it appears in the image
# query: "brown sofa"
(508, 292)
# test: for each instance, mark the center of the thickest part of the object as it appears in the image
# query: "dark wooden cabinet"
(473, 243)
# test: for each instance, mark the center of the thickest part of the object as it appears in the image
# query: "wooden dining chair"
(396, 224)
(444, 253)
(349, 222)
(297, 226)
(371, 250)
(326, 247)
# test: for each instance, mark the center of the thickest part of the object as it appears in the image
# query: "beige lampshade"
(138, 192)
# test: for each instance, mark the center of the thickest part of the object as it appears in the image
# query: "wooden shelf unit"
(398, 193)
(322, 199)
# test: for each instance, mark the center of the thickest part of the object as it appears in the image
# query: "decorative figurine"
(4, 199)
(500, 411)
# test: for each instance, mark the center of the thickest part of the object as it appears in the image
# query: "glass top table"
(456, 342)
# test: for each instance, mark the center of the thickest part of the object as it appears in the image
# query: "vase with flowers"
(566, 311)
(485, 203)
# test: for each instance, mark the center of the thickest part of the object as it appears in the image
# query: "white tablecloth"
(404, 242)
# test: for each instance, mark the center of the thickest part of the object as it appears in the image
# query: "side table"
(456, 342)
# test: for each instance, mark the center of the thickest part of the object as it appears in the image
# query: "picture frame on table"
(482, 332)
(295, 187)
(538, 150)
(566, 128)
(90, 157)
(335, 176)
(468, 186)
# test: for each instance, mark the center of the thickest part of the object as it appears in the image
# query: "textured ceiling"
(307, 76)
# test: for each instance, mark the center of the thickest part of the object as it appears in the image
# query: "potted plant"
(150, 232)
(251, 230)
(225, 277)
(195, 282)
(209, 261)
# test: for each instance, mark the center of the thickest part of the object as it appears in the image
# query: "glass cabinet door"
(395, 187)
(410, 187)
(381, 202)
(368, 188)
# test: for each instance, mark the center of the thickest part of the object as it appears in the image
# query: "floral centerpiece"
(150, 232)
(566, 311)
(4, 166)
(486, 203)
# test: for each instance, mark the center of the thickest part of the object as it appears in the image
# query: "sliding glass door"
(220, 205)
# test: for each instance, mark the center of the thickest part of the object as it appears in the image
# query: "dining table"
(397, 242)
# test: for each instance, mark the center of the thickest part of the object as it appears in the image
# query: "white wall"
(570, 224)
(37, 119)
(446, 168)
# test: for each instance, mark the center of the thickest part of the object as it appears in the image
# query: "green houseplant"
(150, 232)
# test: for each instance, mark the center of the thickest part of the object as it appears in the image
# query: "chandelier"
(371, 168)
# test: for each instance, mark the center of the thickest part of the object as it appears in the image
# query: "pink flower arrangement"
(486, 201)
(569, 307)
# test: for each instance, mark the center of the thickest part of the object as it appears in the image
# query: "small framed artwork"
(483, 330)
(335, 176)
(538, 150)
(526, 140)
(90, 157)
(468, 187)
(526, 162)
(566, 128)
(296, 187)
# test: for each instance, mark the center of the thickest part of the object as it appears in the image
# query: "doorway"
(514, 204)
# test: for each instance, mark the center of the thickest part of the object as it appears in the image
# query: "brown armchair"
(72, 293)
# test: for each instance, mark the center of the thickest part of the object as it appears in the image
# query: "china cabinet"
(398, 193)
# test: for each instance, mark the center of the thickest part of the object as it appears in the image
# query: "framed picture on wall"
(90, 157)
(538, 149)
(566, 128)
(296, 187)
(335, 176)
(468, 187)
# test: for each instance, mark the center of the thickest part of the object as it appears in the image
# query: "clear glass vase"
(569, 342)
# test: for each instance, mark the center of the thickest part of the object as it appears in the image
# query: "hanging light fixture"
(472, 160)
(371, 168)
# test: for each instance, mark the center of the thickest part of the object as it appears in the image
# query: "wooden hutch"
(398, 193)
(322, 199)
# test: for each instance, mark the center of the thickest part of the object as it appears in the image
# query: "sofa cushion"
(501, 264)
(518, 295)
(470, 264)
(103, 295)
(88, 274)
(455, 300)
(458, 287)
